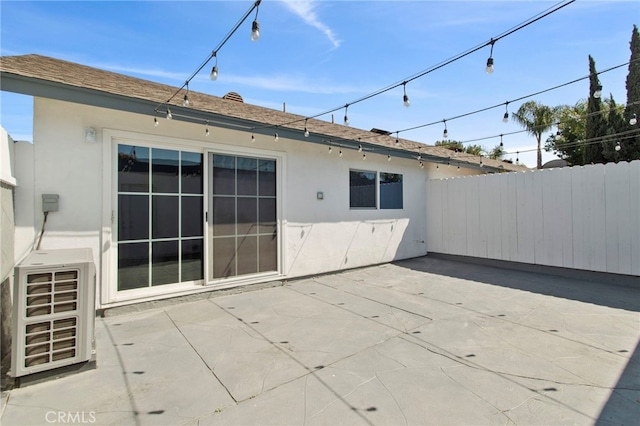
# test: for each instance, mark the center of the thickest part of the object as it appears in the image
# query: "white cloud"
(289, 83)
(305, 9)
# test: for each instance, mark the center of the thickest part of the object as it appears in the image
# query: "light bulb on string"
(397, 138)
(389, 157)
(364, 156)
(169, 115)
(253, 138)
(505, 117)
(185, 99)
(155, 122)
(517, 157)
(346, 118)
(340, 151)
(359, 146)
(481, 163)
(598, 91)
(421, 165)
(501, 144)
(214, 71)
(276, 137)
(634, 120)
(618, 147)
(445, 133)
(489, 68)
(405, 98)
(255, 28)
(306, 131)
(206, 129)
(330, 149)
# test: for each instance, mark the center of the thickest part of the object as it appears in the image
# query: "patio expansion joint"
(200, 356)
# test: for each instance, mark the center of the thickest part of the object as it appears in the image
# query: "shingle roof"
(75, 75)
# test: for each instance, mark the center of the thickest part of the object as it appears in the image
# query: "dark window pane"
(165, 262)
(133, 217)
(247, 176)
(133, 266)
(164, 216)
(192, 266)
(224, 216)
(247, 216)
(224, 175)
(191, 216)
(267, 215)
(191, 173)
(267, 177)
(267, 253)
(224, 257)
(164, 170)
(247, 255)
(390, 191)
(362, 189)
(133, 169)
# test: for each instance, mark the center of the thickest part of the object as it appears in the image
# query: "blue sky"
(317, 55)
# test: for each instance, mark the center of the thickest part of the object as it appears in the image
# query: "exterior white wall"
(317, 235)
(584, 218)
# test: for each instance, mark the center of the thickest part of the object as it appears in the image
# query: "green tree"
(567, 144)
(458, 146)
(536, 119)
(614, 148)
(496, 153)
(596, 125)
(631, 146)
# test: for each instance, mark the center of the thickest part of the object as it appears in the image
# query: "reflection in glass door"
(160, 217)
(242, 216)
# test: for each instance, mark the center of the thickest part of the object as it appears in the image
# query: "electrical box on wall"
(50, 202)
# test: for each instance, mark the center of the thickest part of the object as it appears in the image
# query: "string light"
(397, 139)
(169, 115)
(346, 118)
(501, 144)
(214, 71)
(445, 134)
(255, 27)
(206, 130)
(340, 151)
(489, 68)
(330, 149)
(598, 91)
(405, 98)
(618, 147)
(155, 122)
(214, 54)
(517, 157)
(505, 118)
(185, 100)
(481, 163)
(389, 156)
(275, 137)
(634, 120)
(306, 131)
(364, 156)
(359, 146)
(253, 138)
(421, 165)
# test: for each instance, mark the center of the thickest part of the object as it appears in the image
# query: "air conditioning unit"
(53, 311)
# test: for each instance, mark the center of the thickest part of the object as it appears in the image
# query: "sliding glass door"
(242, 216)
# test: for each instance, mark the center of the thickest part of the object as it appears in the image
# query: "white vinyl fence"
(576, 217)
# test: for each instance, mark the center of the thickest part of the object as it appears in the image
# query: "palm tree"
(536, 119)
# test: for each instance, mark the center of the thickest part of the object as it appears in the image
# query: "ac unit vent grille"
(52, 292)
(49, 341)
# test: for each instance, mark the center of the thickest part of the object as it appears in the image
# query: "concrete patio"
(422, 341)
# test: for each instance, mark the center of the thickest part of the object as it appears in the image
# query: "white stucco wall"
(317, 235)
